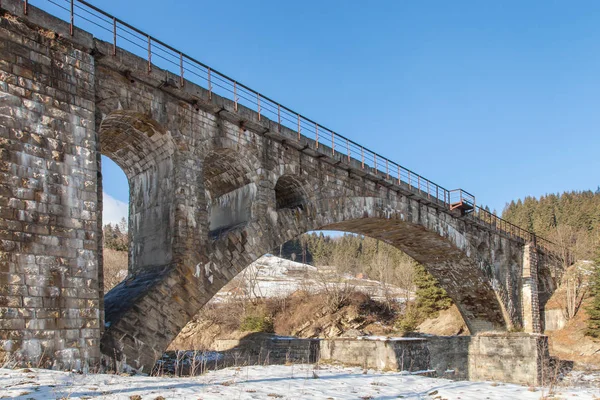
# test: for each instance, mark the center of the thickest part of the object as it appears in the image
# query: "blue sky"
(498, 98)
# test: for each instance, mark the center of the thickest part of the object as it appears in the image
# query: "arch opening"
(250, 298)
(289, 193)
(230, 190)
(468, 279)
(143, 150)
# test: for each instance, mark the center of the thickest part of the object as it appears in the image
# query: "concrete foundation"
(515, 358)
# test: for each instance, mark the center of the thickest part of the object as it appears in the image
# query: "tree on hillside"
(431, 297)
(571, 220)
(593, 323)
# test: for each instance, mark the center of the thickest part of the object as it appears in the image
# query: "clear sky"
(498, 98)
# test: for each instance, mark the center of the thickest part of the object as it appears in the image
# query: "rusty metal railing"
(107, 27)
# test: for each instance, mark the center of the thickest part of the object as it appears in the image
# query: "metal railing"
(107, 27)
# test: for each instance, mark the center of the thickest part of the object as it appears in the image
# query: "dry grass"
(300, 314)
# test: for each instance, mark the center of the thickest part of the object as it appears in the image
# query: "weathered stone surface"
(49, 251)
(515, 358)
(212, 188)
(410, 354)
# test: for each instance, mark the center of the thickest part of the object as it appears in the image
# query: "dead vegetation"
(572, 298)
(301, 314)
(115, 268)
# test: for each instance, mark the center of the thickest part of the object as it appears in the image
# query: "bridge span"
(219, 175)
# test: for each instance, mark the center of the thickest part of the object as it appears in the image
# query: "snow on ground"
(266, 382)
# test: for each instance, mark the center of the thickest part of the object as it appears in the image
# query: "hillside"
(294, 299)
(271, 276)
(571, 220)
(566, 318)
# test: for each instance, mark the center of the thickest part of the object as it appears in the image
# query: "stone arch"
(447, 248)
(445, 245)
(456, 272)
(144, 150)
(290, 193)
(134, 141)
(230, 183)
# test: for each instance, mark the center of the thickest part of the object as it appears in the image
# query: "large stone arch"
(144, 149)
(472, 280)
(161, 300)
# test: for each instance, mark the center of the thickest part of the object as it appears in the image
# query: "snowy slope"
(271, 276)
(271, 382)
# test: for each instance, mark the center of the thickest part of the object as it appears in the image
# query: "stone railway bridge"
(213, 186)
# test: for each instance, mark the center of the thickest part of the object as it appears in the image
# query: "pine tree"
(114, 238)
(431, 298)
(593, 323)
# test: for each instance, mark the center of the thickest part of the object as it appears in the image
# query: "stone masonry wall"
(49, 289)
(529, 298)
(515, 358)
(268, 349)
(409, 354)
(508, 358)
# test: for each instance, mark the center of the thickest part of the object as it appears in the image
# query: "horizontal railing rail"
(158, 54)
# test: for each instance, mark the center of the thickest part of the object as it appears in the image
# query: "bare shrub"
(574, 294)
(115, 268)
(337, 290)
(249, 283)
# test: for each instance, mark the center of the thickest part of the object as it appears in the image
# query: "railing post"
(317, 134)
(419, 183)
(428, 195)
(258, 105)
(399, 178)
(375, 162)
(25, 4)
(149, 54)
(409, 182)
(181, 81)
(114, 36)
(348, 149)
(387, 170)
(278, 117)
(71, 28)
(235, 98)
(299, 127)
(332, 144)
(209, 84)
(362, 156)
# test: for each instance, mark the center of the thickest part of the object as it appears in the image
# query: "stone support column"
(49, 305)
(530, 305)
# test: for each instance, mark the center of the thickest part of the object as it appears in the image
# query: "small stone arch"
(134, 141)
(290, 193)
(230, 183)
